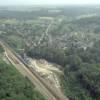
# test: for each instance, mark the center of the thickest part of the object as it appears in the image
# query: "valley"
(58, 45)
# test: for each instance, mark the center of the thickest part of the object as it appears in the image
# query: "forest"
(81, 69)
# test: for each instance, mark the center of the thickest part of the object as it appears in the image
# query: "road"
(44, 89)
(46, 32)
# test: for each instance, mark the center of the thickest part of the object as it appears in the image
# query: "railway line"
(48, 91)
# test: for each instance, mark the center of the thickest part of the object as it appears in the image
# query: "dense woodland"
(81, 67)
(73, 43)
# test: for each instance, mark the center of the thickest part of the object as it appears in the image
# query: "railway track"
(48, 91)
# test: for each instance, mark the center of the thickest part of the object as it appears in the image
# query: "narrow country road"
(46, 32)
